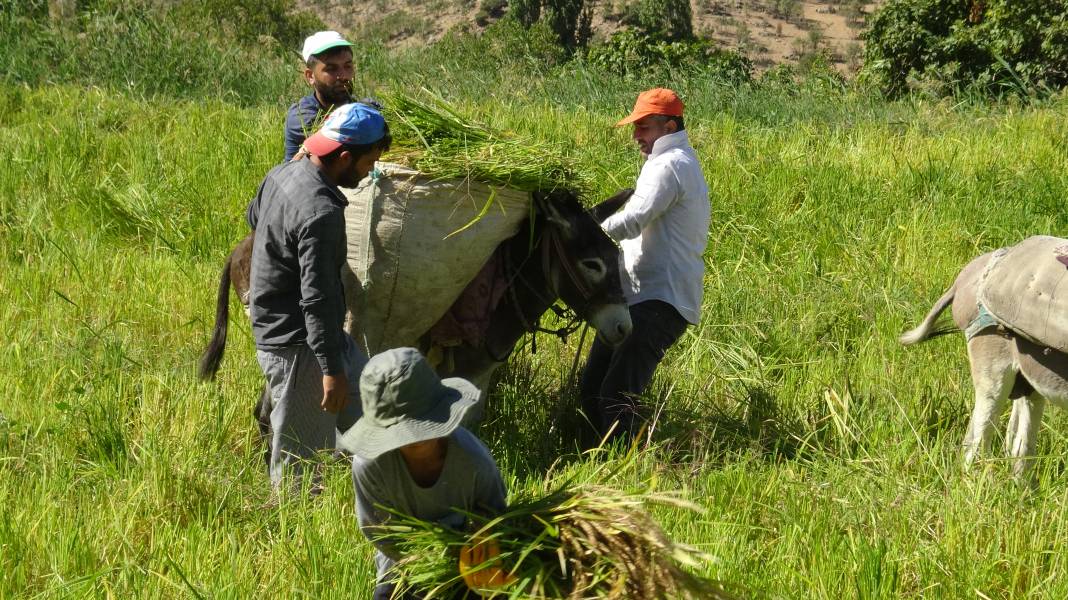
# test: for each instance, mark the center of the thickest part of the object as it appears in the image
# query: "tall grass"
(826, 456)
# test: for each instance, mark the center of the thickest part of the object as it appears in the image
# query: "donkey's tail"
(926, 330)
(213, 354)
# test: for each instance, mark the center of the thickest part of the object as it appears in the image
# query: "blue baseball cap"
(352, 124)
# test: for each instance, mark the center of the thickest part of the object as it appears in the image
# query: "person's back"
(294, 209)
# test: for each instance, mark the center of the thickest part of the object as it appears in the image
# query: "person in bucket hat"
(662, 229)
(329, 72)
(412, 456)
(296, 300)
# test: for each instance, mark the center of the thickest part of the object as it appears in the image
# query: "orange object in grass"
(480, 566)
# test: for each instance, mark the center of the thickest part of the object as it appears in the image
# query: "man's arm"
(320, 290)
(490, 493)
(368, 514)
(493, 496)
(656, 190)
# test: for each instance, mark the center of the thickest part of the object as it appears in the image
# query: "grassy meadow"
(825, 455)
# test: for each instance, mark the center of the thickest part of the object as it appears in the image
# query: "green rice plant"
(563, 538)
(441, 142)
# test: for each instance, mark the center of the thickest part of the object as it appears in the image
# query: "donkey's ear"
(602, 210)
(549, 209)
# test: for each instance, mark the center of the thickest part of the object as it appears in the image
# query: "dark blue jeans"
(615, 377)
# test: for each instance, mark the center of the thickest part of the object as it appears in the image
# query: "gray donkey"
(1005, 364)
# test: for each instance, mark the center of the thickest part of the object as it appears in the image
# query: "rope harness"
(552, 246)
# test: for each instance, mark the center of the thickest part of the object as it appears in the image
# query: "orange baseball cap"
(657, 101)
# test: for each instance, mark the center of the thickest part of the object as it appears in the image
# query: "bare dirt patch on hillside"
(751, 26)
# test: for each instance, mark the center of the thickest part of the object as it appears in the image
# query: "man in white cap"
(411, 455)
(296, 300)
(662, 230)
(328, 70)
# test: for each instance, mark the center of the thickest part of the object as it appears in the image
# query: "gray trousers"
(300, 428)
(614, 377)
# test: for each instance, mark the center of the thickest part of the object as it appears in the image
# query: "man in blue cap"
(296, 300)
(328, 69)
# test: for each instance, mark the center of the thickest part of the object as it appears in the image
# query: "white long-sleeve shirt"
(663, 229)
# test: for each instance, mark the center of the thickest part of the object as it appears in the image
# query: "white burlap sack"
(407, 258)
(1026, 289)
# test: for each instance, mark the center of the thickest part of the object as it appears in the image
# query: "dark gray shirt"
(295, 293)
(470, 481)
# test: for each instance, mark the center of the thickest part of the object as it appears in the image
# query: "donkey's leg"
(1018, 404)
(993, 371)
(1028, 412)
(1021, 389)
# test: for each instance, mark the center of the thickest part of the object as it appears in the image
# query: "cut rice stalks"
(432, 136)
(573, 542)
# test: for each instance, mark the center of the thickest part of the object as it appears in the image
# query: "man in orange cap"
(662, 229)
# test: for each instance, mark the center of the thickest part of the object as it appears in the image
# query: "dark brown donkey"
(561, 254)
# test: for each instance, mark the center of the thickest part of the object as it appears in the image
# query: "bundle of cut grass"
(569, 543)
(433, 137)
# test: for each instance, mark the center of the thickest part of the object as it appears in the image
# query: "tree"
(526, 12)
(570, 20)
(670, 20)
(998, 45)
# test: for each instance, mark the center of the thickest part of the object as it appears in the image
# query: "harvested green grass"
(436, 139)
(567, 538)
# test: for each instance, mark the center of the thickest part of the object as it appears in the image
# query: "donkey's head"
(582, 264)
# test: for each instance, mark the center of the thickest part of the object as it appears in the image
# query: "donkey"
(1004, 365)
(561, 253)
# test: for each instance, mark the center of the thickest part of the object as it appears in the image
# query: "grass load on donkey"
(423, 226)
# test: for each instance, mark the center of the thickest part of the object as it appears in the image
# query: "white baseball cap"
(321, 41)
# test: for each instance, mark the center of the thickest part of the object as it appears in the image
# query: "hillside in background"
(769, 32)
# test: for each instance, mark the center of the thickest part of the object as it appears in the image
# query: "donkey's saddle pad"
(1025, 287)
(414, 244)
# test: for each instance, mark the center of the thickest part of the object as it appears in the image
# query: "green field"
(826, 455)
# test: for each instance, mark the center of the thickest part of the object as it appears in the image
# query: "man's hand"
(335, 393)
(480, 565)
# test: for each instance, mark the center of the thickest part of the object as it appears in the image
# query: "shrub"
(571, 21)
(527, 12)
(670, 20)
(248, 20)
(503, 45)
(629, 53)
(490, 10)
(996, 45)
